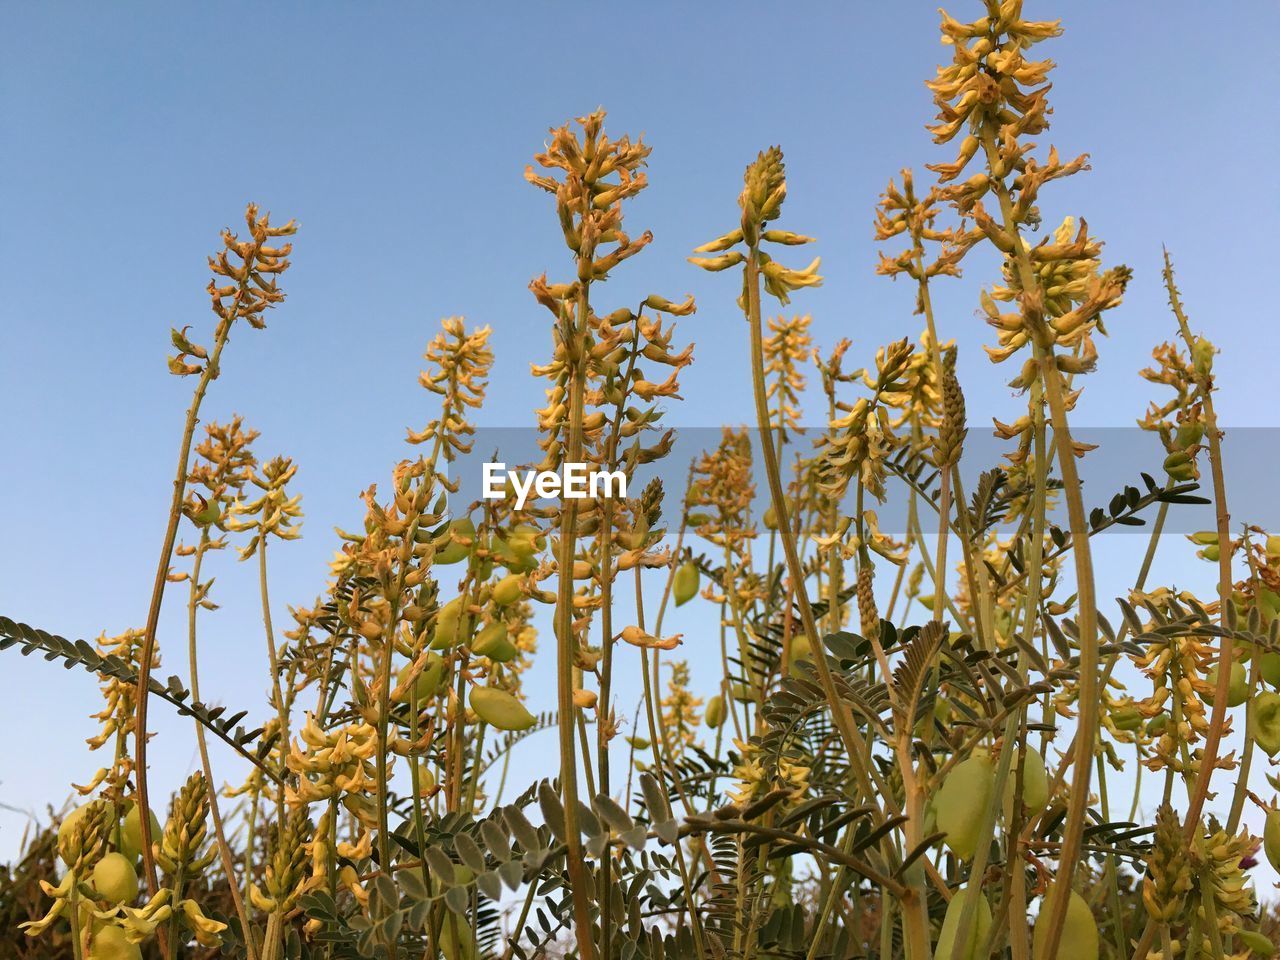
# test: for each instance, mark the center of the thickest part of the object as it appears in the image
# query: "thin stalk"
(193, 663)
(572, 339)
(915, 917)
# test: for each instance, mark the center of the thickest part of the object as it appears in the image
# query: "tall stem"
(219, 832)
(572, 332)
(916, 921)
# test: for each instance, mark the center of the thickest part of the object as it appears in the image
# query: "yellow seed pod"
(500, 709)
(800, 651)
(131, 832)
(115, 879)
(684, 586)
(453, 625)
(962, 801)
(495, 643)
(65, 831)
(507, 590)
(979, 926)
(111, 943)
(585, 699)
(1079, 930)
(715, 711)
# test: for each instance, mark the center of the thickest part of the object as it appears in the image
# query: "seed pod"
(494, 643)
(500, 709)
(685, 584)
(456, 543)
(715, 711)
(452, 626)
(115, 879)
(1259, 944)
(1237, 688)
(457, 939)
(1035, 784)
(111, 943)
(1079, 930)
(208, 514)
(507, 590)
(1178, 466)
(978, 927)
(131, 832)
(430, 681)
(800, 651)
(1270, 667)
(1202, 352)
(1271, 838)
(962, 801)
(1264, 723)
(1127, 718)
(1190, 432)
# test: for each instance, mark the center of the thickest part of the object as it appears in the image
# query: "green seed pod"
(715, 711)
(770, 518)
(962, 801)
(1202, 352)
(1271, 838)
(1190, 433)
(1268, 605)
(507, 590)
(208, 514)
(1035, 784)
(111, 943)
(1270, 667)
(500, 709)
(115, 879)
(452, 628)
(1264, 722)
(457, 939)
(430, 681)
(685, 584)
(1127, 718)
(1237, 689)
(1079, 931)
(448, 549)
(1259, 944)
(978, 927)
(495, 643)
(1156, 725)
(1178, 466)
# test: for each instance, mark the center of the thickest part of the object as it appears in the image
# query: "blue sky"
(397, 135)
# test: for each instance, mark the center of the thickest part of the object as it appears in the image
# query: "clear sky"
(396, 134)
